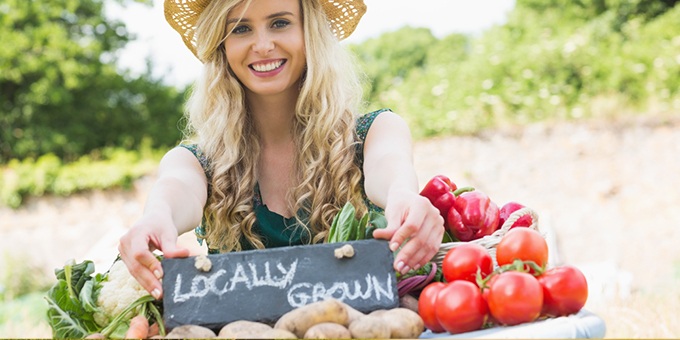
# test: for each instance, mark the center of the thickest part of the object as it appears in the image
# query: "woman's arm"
(174, 206)
(391, 182)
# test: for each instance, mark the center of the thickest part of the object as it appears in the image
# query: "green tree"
(388, 59)
(60, 91)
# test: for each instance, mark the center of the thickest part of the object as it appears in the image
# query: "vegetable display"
(82, 304)
(470, 288)
(474, 294)
(495, 272)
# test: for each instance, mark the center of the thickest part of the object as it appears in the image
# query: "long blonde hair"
(327, 175)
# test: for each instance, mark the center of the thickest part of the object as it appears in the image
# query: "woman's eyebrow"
(273, 15)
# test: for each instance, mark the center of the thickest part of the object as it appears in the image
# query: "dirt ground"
(609, 192)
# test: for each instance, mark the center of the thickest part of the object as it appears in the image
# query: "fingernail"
(394, 246)
(156, 293)
(405, 270)
(158, 274)
(416, 267)
(400, 265)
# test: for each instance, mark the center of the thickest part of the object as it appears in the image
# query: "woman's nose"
(263, 43)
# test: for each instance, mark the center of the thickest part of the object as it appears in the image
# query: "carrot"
(139, 328)
(153, 330)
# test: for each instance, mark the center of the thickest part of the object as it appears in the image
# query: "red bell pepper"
(473, 216)
(439, 190)
(508, 209)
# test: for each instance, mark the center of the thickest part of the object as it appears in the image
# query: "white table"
(582, 325)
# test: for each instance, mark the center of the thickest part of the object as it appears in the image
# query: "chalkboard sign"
(262, 285)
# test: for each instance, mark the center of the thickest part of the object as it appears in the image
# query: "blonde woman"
(277, 142)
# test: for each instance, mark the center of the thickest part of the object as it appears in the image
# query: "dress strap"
(364, 123)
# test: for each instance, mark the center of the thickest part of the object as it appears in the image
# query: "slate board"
(262, 285)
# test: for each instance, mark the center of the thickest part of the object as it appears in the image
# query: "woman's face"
(266, 49)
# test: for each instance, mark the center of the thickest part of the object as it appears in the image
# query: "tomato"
(427, 303)
(460, 307)
(565, 290)
(462, 263)
(524, 244)
(515, 297)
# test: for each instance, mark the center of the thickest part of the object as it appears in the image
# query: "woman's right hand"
(149, 233)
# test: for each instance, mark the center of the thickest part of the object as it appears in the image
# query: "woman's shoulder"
(365, 121)
(200, 156)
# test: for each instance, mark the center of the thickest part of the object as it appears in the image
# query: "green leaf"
(87, 297)
(75, 275)
(361, 228)
(333, 231)
(346, 221)
(353, 228)
(66, 316)
(447, 237)
(376, 220)
(121, 322)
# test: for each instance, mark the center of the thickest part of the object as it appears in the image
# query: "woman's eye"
(240, 29)
(280, 23)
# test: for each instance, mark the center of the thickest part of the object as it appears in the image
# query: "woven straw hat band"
(182, 15)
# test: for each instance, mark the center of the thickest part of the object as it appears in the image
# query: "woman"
(278, 145)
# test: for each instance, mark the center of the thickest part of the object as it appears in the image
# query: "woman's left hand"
(413, 224)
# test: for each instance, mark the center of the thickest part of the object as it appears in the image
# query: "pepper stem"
(462, 190)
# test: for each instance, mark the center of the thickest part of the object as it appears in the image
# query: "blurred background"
(570, 107)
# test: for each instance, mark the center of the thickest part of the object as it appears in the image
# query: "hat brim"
(182, 15)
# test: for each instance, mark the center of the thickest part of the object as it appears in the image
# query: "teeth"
(268, 66)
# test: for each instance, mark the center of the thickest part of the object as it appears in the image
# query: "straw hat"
(343, 17)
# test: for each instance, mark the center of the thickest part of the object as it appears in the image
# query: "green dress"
(274, 229)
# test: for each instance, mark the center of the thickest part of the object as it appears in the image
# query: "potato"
(403, 323)
(299, 320)
(353, 314)
(370, 327)
(243, 329)
(328, 330)
(190, 332)
(378, 312)
(277, 334)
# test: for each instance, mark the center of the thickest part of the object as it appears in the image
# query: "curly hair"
(326, 174)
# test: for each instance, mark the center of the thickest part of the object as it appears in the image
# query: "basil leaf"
(333, 231)
(361, 228)
(376, 220)
(345, 222)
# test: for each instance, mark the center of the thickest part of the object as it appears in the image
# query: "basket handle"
(490, 241)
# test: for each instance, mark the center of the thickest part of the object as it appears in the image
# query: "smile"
(267, 67)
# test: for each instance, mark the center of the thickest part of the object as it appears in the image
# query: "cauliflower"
(118, 291)
(81, 304)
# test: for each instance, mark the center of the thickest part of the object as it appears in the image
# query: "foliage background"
(71, 121)
(64, 103)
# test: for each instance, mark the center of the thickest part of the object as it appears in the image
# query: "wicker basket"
(491, 241)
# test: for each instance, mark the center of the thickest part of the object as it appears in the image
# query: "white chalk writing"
(204, 284)
(304, 293)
